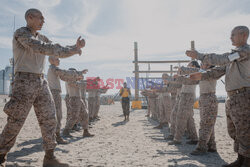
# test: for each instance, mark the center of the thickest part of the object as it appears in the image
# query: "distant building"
(5, 80)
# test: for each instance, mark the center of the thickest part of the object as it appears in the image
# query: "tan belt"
(237, 91)
(29, 74)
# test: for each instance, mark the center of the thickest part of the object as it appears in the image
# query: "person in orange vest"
(125, 93)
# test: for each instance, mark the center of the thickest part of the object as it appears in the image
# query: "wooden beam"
(155, 71)
(150, 78)
(170, 61)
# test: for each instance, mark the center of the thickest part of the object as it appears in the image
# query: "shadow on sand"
(210, 159)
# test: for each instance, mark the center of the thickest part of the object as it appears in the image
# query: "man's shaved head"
(32, 12)
(242, 30)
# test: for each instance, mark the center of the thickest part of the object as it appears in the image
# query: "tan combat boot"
(51, 161)
(87, 134)
(198, 151)
(66, 133)
(246, 162)
(2, 160)
(236, 163)
(170, 137)
(160, 126)
(60, 140)
(174, 142)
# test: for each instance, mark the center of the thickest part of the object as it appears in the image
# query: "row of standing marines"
(171, 104)
(30, 88)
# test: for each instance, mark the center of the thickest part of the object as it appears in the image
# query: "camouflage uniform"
(152, 98)
(83, 92)
(144, 93)
(208, 113)
(92, 102)
(30, 88)
(173, 99)
(164, 107)
(78, 109)
(185, 112)
(98, 101)
(173, 88)
(54, 76)
(173, 115)
(237, 86)
(66, 99)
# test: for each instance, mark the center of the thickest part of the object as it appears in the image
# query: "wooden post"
(171, 69)
(192, 46)
(136, 72)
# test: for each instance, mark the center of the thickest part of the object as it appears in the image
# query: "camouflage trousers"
(184, 117)
(148, 107)
(238, 121)
(92, 106)
(29, 90)
(97, 108)
(58, 103)
(78, 113)
(173, 115)
(173, 100)
(208, 113)
(165, 109)
(67, 106)
(125, 106)
(153, 108)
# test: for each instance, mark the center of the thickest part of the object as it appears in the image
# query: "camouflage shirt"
(29, 51)
(237, 72)
(55, 74)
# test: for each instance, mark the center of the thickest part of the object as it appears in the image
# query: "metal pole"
(3, 81)
(136, 72)
(13, 62)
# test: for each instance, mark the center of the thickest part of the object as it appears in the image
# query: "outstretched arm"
(214, 73)
(46, 48)
(66, 75)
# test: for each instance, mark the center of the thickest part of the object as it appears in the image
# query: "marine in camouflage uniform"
(54, 76)
(152, 99)
(236, 69)
(208, 112)
(174, 88)
(78, 109)
(30, 88)
(98, 101)
(164, 104)
(144, 93)
(92, 102)
(184, 115)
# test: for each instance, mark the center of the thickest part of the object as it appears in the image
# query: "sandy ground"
(118, 143)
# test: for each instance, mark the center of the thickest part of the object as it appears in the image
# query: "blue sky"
(162, 28)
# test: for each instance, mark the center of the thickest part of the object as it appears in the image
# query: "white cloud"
(5, 42)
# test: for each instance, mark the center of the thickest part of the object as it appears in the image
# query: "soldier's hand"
(85, 71)
(80, 77)
(80, 43)
(192, 53)
(196, 76)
